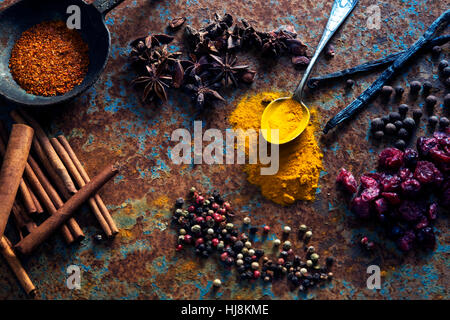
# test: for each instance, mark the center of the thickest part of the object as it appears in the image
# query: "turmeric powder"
(300, 161)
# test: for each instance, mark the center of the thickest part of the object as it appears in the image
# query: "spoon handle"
(341, 9)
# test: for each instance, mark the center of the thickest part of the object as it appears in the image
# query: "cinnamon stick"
(24, 191)
(79, 180)
(50, 152)
(37, 204)
(75, 229)
(16, 266)
(105, 212)
(23, 222)
(14, 162)
(47, 202)
(48, 227)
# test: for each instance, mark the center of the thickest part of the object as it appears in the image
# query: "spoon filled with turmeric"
(289, 116)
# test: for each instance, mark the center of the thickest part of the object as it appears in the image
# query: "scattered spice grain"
(49, 59)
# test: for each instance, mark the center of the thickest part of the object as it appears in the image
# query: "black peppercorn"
(385, 119)
(390, 129)
(394, 116)
(179, 202)
(377, 124)
(409, 123)
(403, 133)
(378, 135)
(387, 91)
(433, 120)
(399, 91)
(398, 124)
(443, 122)
(417, 114)
(443, 64)
(400, 144)
(446, 72)
(349, 83)
(436, 51)
(414, 87)
(447, 82)
(427, 85)
(430, 101)
(403, 109)
(447, 100)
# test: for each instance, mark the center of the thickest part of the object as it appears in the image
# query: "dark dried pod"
(296, 47)
(300, 61)
(330, 51)
(177, 22)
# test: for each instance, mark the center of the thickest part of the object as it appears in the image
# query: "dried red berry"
(370, 194)
(411, 211)
(391, 183)
(410, 187)
(391, 158)
(360, 207)
(347, 180)
(392, 197)
(427, 173)
(368, 182)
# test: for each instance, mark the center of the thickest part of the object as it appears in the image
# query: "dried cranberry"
(347, 180)
(410, 187)
(443, 138)
(427, 173)
(426, 237)
(370, 194)
(392, 197)
(424, 145)
(391, 183)
(411, 211)
(381, 206)
(405, 243)
(432, 211)
(360, 207)
(405, 174)
(439, 156)
(411, 158)
(391, 158)
(368, 182)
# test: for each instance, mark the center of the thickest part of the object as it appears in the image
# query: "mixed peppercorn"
(205, 223)
(398, 195)
(212, 61)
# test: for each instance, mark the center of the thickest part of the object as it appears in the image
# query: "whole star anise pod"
(275, 42)
(218, 26)
(227, 69)
(195, 66)
(155, 83)
(203, 93)
(250, 37)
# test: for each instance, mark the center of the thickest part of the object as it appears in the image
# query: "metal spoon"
(341, 9)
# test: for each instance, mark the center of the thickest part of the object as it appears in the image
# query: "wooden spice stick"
(79, 180)
(46, 201)
(23, 188)
(16, 266)
(48, 227)
(47, 146)
(37, 204)
(22, 220)
(14, 162)
(105, 212)
(75, 229)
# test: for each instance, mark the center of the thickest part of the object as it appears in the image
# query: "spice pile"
(206, 224)
(398, 195)
(212, 62)
(49, 59)
(300, 161)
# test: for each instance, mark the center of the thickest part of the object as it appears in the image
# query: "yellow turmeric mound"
(300, 161)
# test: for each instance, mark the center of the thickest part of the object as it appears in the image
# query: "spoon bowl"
(272, 110)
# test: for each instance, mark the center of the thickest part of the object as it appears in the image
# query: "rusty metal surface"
(109, 123)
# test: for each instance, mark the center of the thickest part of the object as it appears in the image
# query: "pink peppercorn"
(215, 242)
(266, 229)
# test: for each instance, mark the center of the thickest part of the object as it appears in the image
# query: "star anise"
(155, 83)
(195, 66)
(141, 48)
(203, 93)
(275, 42)
(227, 69)
(250, 37)
(218, 26)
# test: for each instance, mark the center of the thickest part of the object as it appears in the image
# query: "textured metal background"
(109, 123)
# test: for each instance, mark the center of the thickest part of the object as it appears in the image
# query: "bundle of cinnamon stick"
(53, 180)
